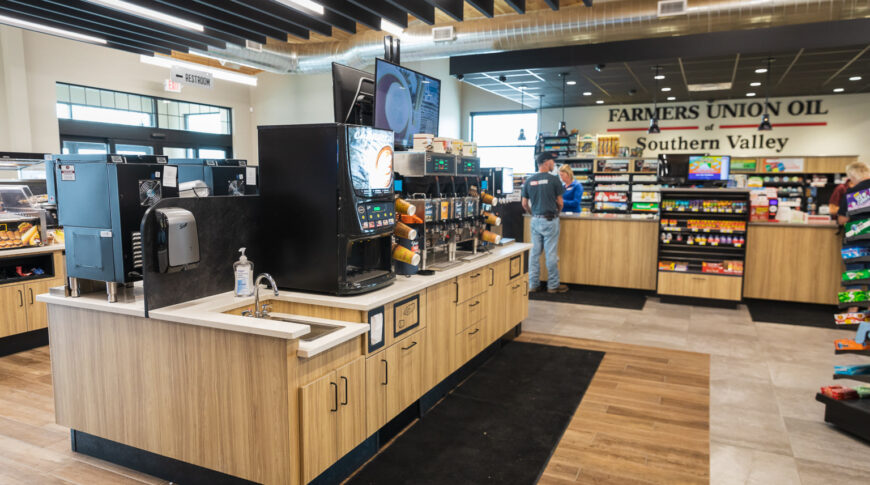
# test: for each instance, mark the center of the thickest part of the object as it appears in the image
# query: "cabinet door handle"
(476, 275)
(515, 286)
(476, 302)
(491, 277)
(335, 392)
(527, 289)
(474, 332)
(344, 403)
(696, 278)
(386, 372)
(20, 298)
(457, 292)
(408, 347)
(31, 295)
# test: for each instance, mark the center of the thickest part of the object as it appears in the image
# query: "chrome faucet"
(261, 311)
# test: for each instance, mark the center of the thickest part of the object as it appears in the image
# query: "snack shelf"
(845, 351)
(859, 304)
(703, 246)
(19, 279)
(863, 282)
(860, 259)
(714, 232)
(855, 212)
(856, 377)
(859, 237)
(693, 271)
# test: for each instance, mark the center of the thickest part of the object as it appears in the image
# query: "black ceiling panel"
(211, 26)
(453, 8)
(385, 10)
(518, 5)
(486, 7)
(283, 24)
(418, 8)
(269, 9)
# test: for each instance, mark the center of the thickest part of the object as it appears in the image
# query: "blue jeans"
(545, 236)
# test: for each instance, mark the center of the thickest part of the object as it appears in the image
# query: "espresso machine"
(101, 200)
(222, 176)
(444, 190)
(327, 190)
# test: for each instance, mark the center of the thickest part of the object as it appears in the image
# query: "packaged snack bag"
(860, 274)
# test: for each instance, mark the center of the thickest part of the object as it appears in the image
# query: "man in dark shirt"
(542, 197)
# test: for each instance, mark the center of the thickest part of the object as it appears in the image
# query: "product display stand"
(702, 243)
(852, 415)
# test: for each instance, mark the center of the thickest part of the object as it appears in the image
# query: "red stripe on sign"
(775, 125)
(662, 128)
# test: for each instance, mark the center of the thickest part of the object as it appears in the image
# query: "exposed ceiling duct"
(606, 22)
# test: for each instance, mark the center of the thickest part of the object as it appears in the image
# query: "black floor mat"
(594, 295)
(500, 426)
(806, 314)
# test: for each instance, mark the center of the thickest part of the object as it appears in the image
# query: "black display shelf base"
(691, 300)
(859, 237)
(855, 212)
(849, 351)
(852, 416)
(864, 282)
(23, 341)
(860, 259)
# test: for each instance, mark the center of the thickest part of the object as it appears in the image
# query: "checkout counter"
(784, 262)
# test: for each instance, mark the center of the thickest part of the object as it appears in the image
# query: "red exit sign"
(171, 86)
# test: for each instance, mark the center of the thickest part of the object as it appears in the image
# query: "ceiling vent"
(668, 8)
(254, 46)
(443, 34)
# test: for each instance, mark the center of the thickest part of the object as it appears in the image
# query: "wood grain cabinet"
(440, 329)
(394, 379)
(498, 300)
(719, 287)
(333, 416)
(19, 310)
(517, 300)
(13, 310)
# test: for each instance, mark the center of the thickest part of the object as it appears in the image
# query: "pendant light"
(654, 119)
(765, 118)
(522, 136)
(563, 128)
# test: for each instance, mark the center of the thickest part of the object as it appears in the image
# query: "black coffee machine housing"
(327, 192)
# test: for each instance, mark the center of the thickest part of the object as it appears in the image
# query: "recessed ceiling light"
(571, 83)
(855, 78)
(599, 102)
(709, 87)
(587, 93)
(838, 90)
(755, 84)
(671, 98)
(49, 30)
(659, 76)
(750, 94)
(666, 89)
(760, 70)
(305, 4)
(149, 14)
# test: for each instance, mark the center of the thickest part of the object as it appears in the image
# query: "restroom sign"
(190, 77)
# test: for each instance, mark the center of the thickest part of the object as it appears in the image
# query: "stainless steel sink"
(317, 329)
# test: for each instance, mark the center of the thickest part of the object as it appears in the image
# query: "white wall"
(33, 62)
(844, 133)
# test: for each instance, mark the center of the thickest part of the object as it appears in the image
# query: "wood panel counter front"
(793, 262)
(243, 401)
(616, 252)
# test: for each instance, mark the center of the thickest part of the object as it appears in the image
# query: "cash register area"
(293, 267)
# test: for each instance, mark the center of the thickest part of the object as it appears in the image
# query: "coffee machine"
(327, 190)
(101, 200)
(222, 176)
(444, 188)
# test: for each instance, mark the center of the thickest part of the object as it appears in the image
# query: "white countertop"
(209, 311)
(5, 253)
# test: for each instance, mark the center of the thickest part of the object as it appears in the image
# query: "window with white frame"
(497, 135)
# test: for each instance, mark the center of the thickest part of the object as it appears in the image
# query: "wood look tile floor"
(684, 395)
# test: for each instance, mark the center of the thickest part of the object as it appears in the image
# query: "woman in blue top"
(573, 190)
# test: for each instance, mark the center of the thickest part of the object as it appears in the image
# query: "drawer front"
(718, 287)
(469, 343)
(470, 311)
(472, 284)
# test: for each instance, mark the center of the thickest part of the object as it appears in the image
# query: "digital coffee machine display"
(328, 190)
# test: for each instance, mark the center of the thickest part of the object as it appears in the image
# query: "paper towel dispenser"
(177, 240)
